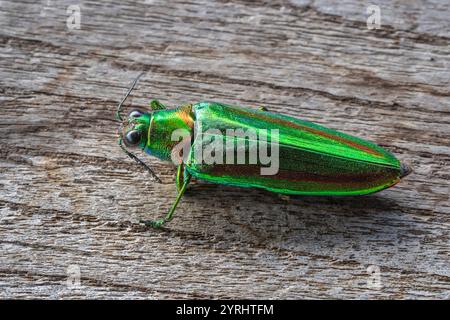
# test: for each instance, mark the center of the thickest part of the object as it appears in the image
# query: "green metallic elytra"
(313, 160)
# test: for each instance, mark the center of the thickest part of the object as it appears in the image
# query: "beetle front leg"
(263, 108)
(156, 105)
(179, 180)
(158, 223)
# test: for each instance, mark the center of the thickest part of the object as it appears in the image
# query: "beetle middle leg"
(158, 223)
(284, 197)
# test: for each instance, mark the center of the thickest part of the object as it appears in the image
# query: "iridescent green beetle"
(312, 159)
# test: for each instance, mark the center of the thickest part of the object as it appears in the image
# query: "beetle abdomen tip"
(404, 170)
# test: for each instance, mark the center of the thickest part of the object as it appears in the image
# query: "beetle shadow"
(262, 217)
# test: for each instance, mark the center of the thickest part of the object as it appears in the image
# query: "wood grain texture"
(69, 198)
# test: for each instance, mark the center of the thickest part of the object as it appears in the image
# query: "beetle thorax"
(163, 125)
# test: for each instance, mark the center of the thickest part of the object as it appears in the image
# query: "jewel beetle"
(310, 159)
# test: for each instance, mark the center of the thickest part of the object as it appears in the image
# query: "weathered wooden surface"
(69, 198)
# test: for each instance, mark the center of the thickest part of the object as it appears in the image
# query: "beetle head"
(135, 129)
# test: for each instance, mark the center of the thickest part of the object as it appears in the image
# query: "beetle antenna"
(119, 118)
(142, 163)
(119, 107)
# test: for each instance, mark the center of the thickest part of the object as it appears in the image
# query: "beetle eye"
(135, 114)
(133, 137)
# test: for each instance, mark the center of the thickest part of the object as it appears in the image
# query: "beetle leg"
(284, 197)
(158, 223)
(263, 108)
(180, 177)
(156, 105)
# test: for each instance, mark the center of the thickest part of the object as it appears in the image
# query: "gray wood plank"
(69, 198)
